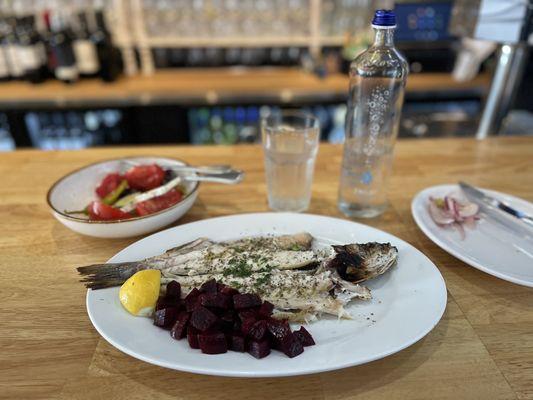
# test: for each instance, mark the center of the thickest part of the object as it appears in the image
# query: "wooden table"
(481, 349)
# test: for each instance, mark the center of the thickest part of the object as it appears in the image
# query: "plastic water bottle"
(377, 83)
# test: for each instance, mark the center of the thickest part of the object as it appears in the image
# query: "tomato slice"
(102, 212)
(108, 184)
(145, 177)
(159, 203)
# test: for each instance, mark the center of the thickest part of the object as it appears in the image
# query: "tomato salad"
(116, 191)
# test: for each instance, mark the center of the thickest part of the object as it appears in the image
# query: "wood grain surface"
(481, 349)
(211, 86)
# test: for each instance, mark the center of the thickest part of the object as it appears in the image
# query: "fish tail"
(98, 276)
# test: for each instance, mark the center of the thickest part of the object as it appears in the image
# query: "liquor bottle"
(11, 44)
(377, 84)
(45, 29)
(31, 50)
(4, 66)
(108, 55)
(66, 69)
(84, 48)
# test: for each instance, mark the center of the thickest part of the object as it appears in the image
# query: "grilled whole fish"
(285, 270)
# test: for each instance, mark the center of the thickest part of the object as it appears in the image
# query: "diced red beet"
(266, 309)
(179, 329)
(236, 342)
(259, 349)
(165, 317)
(216, 300)
(164, 302)
(258, 330)
(227, 320)
(228, 291)
(246, 325)
(192, 337)
(304, 337)
(209, 286)
(228, 315)
(203, 319)
(246, 300)
(278, 328)
(291, 346)
(173, 290)
(191, 300)
(247, 314)
(214, 343)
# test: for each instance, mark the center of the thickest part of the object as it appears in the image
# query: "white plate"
(408, 302)
(489, 247)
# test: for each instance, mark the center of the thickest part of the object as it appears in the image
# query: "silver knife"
(477, 196)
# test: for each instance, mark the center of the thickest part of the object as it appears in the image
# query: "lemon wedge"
(139, 293)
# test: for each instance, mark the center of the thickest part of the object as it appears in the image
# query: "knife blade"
(494, 205)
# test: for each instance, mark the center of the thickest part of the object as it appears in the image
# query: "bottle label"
(66, 73)
(30, 57)
(13, 59)
(86, 57)
(4, 67)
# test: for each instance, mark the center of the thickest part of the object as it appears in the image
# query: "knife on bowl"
(497, 208)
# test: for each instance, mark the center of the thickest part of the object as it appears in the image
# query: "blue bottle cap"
(384, 18)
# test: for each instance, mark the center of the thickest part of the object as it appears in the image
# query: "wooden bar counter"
(481, 349)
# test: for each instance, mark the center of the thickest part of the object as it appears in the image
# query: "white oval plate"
(489, 247)
(408, 302)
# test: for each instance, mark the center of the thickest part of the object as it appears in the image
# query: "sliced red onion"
(440, 216)
(453, 212)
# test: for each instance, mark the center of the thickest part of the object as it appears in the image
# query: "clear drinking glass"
(290, 143)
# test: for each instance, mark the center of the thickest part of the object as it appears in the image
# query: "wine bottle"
(108, 55)
(31, 50)
(61, 46)
(84, 48)
(11, 43)
(4, 66)
(46, 35)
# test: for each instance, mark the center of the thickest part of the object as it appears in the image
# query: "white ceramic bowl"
(75, 190)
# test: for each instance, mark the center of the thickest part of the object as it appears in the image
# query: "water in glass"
(290, 153)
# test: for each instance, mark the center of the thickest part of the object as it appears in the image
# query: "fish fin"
(105, 275)
(197, 244)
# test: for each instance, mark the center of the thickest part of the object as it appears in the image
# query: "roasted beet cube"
(227, 320)
(304, 337)
(247, 314)
(247, 324)
(246, 300)
(215, 300)
(228, 291)
(166, 317)
(278, 329)
(209, 287)
(291, 346)
(203, 319)
(164, 302)
(228, 315)
(258, 330)
(179, 329)
(236, 342)
(173, 290)
(266, 309)
(259, 349)
(213, 343)
(192, 337)
(191, 300)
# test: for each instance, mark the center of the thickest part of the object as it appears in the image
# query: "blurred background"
(75, 74)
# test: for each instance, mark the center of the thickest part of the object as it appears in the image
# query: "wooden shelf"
(211, 86)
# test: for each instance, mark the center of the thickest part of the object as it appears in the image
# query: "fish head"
(360, 262)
